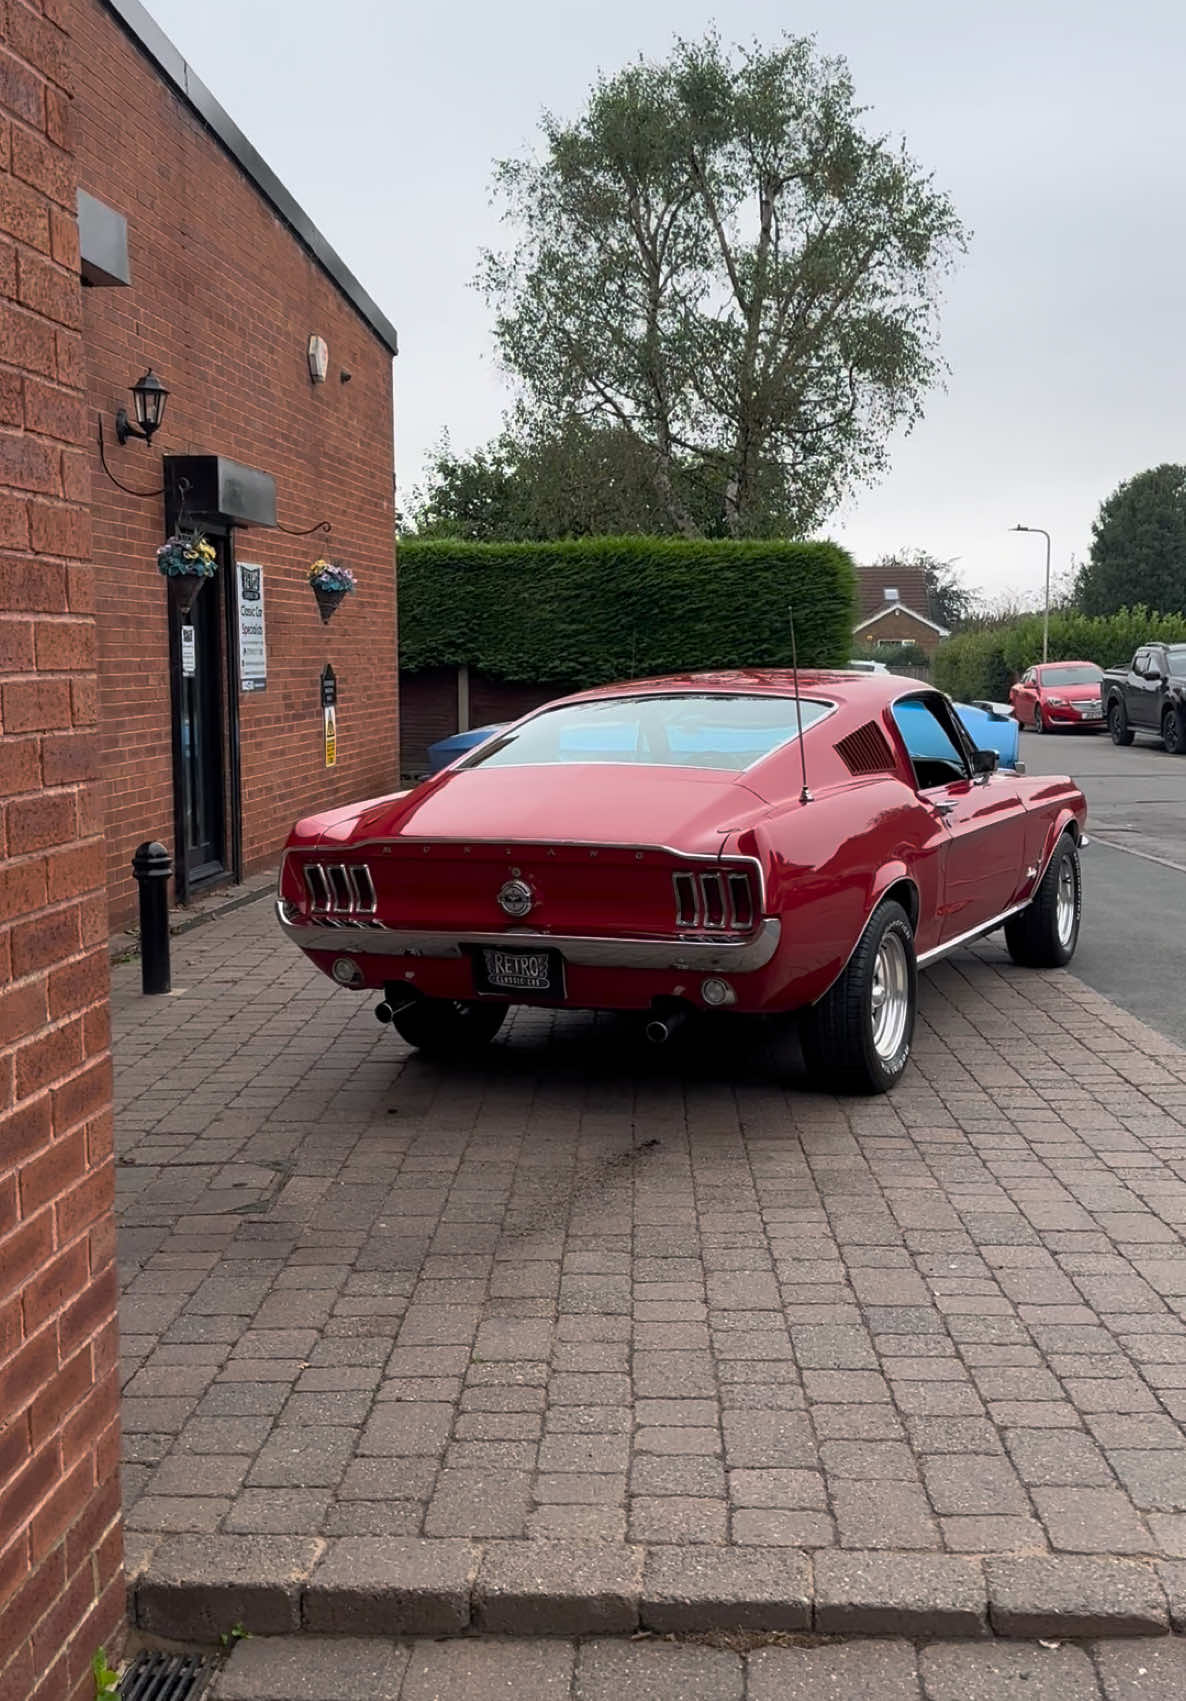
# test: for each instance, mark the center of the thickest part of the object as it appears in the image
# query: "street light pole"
(1046, 615)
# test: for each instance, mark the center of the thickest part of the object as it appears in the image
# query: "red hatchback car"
(712, 841)
(1060, 695)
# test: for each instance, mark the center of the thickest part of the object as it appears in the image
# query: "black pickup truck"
(1149, 696)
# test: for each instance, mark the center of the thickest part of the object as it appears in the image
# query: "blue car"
(988, 728)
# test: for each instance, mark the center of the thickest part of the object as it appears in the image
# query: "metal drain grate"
(154, 1676)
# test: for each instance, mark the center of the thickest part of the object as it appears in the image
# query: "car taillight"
(717, 901)
(340, 893)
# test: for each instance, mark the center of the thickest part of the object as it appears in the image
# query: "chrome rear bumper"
(701, 956)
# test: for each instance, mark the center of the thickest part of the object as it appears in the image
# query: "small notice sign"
(331, 735)
(329, 688)
(189, 652)
(253, 648)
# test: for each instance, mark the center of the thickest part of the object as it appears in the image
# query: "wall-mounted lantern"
(149, 396)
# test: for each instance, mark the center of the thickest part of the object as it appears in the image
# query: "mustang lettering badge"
(515, 898)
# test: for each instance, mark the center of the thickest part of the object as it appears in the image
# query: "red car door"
(982, 815)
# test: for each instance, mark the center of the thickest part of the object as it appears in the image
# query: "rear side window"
(931, 744)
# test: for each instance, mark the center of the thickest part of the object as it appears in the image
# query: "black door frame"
(229, 693)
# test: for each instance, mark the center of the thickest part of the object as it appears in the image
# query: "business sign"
(189, 652)
(331, 735)
(253, 648)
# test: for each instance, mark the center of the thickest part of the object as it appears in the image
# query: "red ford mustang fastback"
(700, 842)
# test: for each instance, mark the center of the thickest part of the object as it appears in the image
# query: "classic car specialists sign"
(253, 648)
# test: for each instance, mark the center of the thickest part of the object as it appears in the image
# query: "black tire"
(1173, 731)
(1038, 937)
(1118, 725)
(839, 1032)
(1039, 721)
(448, 1028)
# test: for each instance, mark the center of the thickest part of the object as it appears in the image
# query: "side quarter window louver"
(866, 751)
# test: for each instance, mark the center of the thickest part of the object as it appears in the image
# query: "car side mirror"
(985, 762)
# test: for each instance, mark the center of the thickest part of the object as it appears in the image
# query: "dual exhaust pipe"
(661, 1026)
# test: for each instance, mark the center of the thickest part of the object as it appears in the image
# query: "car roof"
(871, 690)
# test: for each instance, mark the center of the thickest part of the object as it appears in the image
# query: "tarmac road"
(1133, 944)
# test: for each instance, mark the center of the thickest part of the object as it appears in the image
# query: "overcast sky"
(1057, 126)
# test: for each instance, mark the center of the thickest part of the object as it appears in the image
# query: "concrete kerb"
(197, 1588)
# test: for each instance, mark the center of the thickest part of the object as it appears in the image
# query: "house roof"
(152, 41)
(900, 608)
(909, 582)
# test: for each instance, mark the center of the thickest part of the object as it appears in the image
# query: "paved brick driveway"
(577, 1293)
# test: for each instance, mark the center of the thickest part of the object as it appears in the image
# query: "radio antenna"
(805, 795)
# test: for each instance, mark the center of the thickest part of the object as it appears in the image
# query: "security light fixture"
(149, 396)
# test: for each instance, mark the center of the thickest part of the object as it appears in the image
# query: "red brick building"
(119, 171)
(206, 271)
(61, 1587)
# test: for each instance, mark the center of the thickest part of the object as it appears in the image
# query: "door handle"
(944, 809)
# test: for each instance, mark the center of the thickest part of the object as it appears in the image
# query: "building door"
(202, 787)
(207, 831)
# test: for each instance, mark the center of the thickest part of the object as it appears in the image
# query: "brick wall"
(61, 1589)
(222, 301)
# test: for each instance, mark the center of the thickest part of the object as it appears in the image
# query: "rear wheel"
(1173, 732)
(857, 1038)
(1118, 724)
(448, 1028)
(1045, 933)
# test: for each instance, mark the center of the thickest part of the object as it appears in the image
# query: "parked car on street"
(704, 842)
(1149, 696)
(1060, 696)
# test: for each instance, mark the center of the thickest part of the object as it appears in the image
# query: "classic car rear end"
(675, 846)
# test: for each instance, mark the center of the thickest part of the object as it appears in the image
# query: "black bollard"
(153, 868)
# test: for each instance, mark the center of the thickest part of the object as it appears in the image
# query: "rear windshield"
(684, 731)
(1084, 673)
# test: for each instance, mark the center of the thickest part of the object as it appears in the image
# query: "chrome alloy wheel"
(1068, 892)
(890, 998)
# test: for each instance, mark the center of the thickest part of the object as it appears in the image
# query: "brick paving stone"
(479, 1503)
(1092, 1520)
(1155, 1480)
(487, 1670)
(199, 1585)
(306, 1668)
(1075, 1597)
(558, 1588)
(884, 1515)
(768, 1439)
(657, 1671)
(391, 1586)
(868, 1670)
(871, 1594)
(1053, 1458)
(973, 1483)
(678, 1518)
(759, 1527)
(957, 1672)
(1142, 1671)
(704, 1588)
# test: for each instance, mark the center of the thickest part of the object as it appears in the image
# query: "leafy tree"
(718, 261)
(1138, 546)
(540, 481)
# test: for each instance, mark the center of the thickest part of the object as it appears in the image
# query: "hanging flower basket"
(186, 563)
(330, 582)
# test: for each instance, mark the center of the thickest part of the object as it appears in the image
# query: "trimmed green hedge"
(984, 662)
(598, 609)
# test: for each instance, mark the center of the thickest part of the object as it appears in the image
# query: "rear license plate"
(500, 971)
